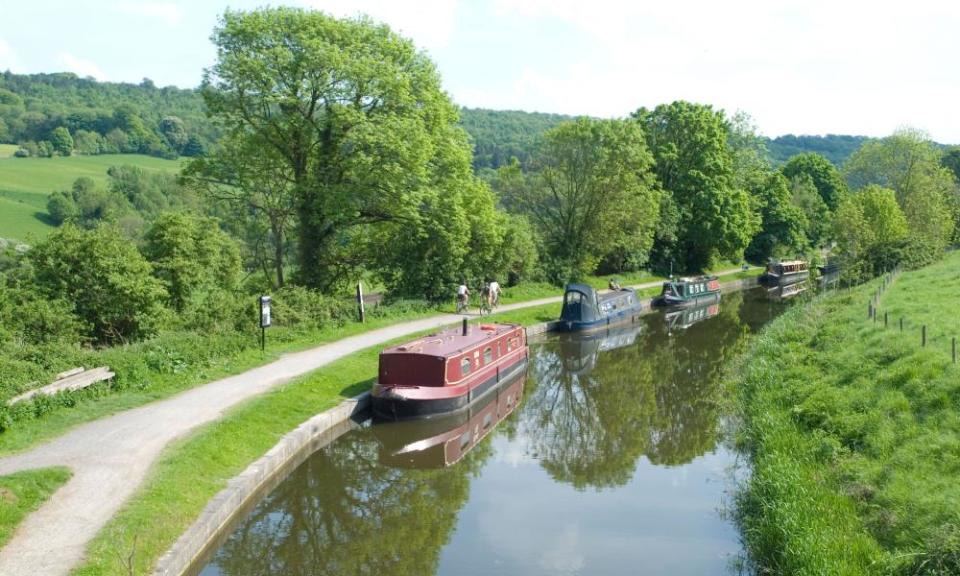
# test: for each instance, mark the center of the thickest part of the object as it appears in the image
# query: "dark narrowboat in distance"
(684, 292)
(786, 272)
(442, 441)
(586, 309)
(448, 370)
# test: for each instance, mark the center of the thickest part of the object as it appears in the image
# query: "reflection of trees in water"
(659, 397)
(342, 513)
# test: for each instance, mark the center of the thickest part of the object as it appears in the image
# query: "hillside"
(25, 184)
(102, 117)
(837, 148)
(499, 135)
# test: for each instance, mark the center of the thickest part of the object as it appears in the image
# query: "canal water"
(611, 457)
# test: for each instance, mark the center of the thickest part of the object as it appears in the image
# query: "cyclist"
(463, 296)
(494, 293)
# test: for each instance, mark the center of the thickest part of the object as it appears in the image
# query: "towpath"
(110, 457)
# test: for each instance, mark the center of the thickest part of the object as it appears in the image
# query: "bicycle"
(463, 305)
(485, 307)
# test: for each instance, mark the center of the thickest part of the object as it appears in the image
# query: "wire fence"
(902, 323)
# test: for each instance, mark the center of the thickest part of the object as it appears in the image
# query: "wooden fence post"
(886, 321)
(924, 336)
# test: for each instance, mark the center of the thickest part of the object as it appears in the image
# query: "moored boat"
(586, 309)
(684, 292)
(444, 440)
(579, 351)
(445, 371)
(786, 272)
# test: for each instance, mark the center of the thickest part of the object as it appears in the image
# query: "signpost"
(360, 310)
(264, 320)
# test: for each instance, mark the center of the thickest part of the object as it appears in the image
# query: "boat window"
(465, 366)
(574, 297)
(487, 420)
(488, 356)
(465, 440)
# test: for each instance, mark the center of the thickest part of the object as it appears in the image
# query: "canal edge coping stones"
(262, 475)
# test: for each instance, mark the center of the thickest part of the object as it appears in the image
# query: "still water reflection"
(609, 459)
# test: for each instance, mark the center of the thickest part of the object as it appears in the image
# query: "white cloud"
(812, 67)
(80, 67)
(8, 58)
(163, 11)
(429, 23)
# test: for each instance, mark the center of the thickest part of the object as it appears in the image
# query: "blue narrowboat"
(586, 309)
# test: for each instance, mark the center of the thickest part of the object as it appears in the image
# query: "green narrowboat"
(684, 292)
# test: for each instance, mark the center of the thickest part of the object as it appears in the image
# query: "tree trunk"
(278, 251)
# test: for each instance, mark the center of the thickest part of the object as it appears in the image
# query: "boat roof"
(792, 262)
(691, 279)
(451, 341)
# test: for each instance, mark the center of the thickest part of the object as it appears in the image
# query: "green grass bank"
(25, 184)
(853, 429)
(192, 471)
(24, 492)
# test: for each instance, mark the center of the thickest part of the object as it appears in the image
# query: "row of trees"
(342, 157)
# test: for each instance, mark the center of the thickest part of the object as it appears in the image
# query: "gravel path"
(110, 457)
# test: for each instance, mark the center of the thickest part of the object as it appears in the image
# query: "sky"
(795, 66)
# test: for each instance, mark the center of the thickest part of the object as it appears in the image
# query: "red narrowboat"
(447, 371)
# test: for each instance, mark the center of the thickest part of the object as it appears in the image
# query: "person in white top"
(494, 293)
(463, 294)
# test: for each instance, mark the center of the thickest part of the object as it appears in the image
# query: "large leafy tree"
(694, 164)
(592, 195)
(357, 126)
(783, 223)
(871, 231)
(822, 173)
(909, 163)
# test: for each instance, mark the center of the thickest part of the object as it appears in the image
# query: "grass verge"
(24, 492)
(192, 471)
(853, 430)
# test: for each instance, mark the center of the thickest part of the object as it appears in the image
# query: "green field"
(853, 429)
(7, 150)
(25, 184)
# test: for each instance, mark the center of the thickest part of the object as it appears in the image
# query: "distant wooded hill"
(102, 117)
(836, 147)
(110, 118)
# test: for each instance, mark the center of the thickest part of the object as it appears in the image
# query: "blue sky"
(810, 66)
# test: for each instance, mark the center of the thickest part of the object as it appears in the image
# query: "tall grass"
(854, 435)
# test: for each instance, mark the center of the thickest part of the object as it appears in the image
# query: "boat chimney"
(465, 330)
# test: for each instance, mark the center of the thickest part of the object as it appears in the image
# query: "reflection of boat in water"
(443, 441)
(785, 272)
(579, 352)
(586, 309)
(787, 291)
(446, 371)
(687, 317)
(685, 292)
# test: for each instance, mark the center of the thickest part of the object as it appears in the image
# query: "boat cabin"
(787, 267)
(584, 307)
(450, 356)
(687, 288)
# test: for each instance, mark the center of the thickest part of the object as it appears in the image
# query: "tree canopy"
(694, 166)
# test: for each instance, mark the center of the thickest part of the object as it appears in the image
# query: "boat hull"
(621, 316)
(698, 300)
(785, 279)
(408, 402)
